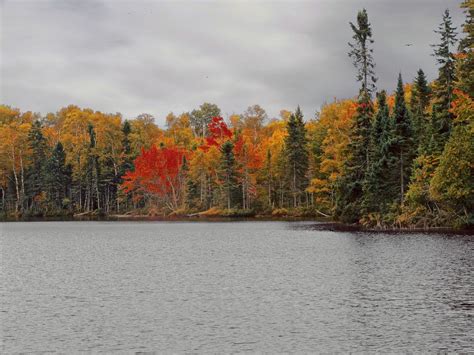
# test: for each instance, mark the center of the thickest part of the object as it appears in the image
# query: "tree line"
(380, 159)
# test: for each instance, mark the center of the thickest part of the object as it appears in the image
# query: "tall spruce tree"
(296, 156)
(361, 53)
(228, 175)
(421, 92)
(452, 184)
(126, 163)
(58, 177)
(444, 84)
(378, 192)
(419, 102)
(126, 147)
(403, 139)
(419, 209)
(35, 176)
(349, 187)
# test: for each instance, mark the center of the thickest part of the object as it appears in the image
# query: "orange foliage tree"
(158, 174)
(333, 129)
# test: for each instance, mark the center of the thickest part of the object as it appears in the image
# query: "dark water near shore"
(232, 287)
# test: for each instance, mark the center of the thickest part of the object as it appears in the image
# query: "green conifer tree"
(228, 175)
(361, 53)
(126, 147)
(420, 100)
(444, 84)
(35, 176)
(58, 178)
(349, 187)
(452, 184)
(378, 192)
(403, 139)
(296, 156)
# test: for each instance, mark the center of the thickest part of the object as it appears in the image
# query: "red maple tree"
(218, 133)
(158, 173)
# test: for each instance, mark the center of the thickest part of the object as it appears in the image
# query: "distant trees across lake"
(401, 159)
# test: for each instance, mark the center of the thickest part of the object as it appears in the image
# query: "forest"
(401, 159)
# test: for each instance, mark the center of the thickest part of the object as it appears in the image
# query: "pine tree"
(228, 174)
(361, 53)
(420, 100)
(126, 147)
(378, 192)
(349, 187)
(452, 185)
(421, 92)
(125, 165)
(193, 194)
(296, 156)
(58, 177)
(35, 176)
(419, 209)
(403, 139)
(444, 85)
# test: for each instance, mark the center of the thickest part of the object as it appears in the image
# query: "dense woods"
(401, 159)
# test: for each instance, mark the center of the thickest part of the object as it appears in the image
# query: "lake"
(232, 287)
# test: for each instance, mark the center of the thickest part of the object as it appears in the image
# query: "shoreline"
(320, 224)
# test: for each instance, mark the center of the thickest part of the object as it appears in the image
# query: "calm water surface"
(232, 287)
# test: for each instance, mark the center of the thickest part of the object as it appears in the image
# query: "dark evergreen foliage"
(379, 192)
(349, 187)
(58, 179)
(35, 176)
(420, 100)
(444, 85)
(127, 149)
(228, 175)
(361, 53)
(296, 153)
(403, 139)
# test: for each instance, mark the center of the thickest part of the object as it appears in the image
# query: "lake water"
(232, 287)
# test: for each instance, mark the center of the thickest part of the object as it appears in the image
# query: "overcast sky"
(161, 56)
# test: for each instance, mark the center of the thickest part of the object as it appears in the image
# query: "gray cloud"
(161, 56)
